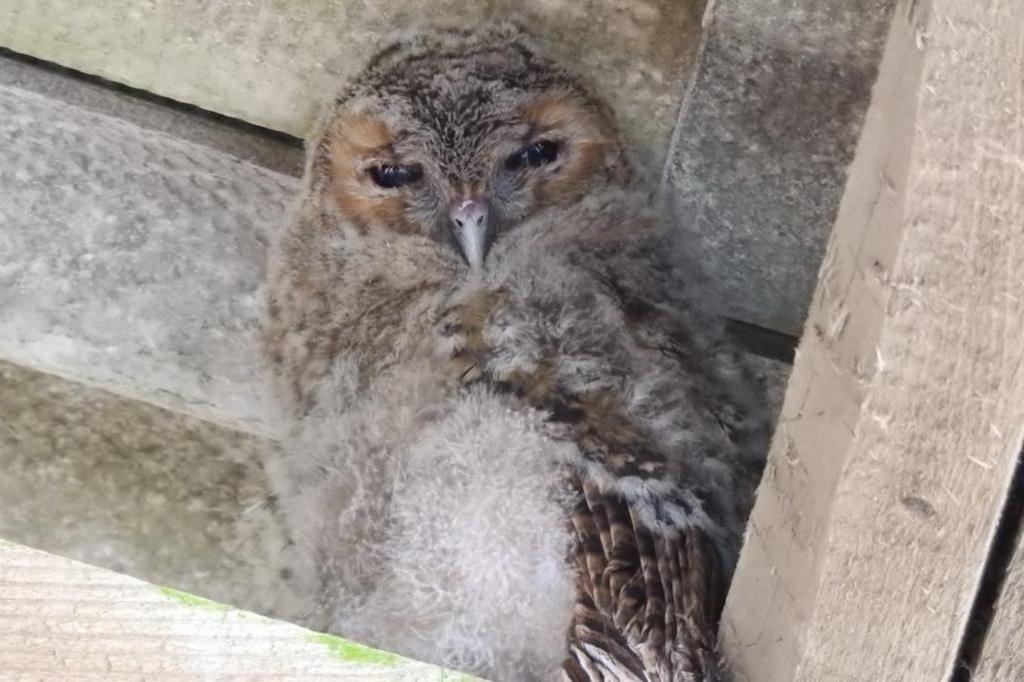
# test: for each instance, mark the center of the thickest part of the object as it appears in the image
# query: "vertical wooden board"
(775, 585)
(904, 415)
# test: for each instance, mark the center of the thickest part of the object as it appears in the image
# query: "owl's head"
(462, 135)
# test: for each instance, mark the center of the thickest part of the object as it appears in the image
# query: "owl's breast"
(445, 516)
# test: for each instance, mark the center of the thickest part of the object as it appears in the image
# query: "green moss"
(347, 651)
(354, 653)
(193, 601)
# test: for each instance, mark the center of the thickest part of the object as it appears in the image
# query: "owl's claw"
(461, 335)
(463, 369)
(451, 332)
(472, 373)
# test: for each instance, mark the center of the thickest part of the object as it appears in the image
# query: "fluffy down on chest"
(465, 559)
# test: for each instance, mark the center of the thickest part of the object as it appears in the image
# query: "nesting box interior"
(847, 174)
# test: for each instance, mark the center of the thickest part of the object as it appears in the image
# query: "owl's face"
(461, 136)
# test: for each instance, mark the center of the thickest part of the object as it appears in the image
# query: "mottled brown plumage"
(511, 443)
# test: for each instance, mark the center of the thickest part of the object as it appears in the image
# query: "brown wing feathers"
(647, 602)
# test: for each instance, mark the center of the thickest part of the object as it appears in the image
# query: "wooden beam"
(904, 413)
(62, 620)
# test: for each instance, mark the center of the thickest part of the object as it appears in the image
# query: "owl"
(510, 442)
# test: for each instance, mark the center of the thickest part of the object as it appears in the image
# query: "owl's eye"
(534, 155)
(390, 175)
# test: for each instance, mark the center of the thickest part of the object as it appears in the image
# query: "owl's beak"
(472, 230)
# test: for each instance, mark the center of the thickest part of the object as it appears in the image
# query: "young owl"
(512, 446)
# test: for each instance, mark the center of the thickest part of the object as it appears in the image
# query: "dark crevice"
(993, 577)
(151, 97)
(766, 343)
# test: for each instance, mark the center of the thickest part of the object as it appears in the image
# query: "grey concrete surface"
(767, 129)
(133, 260)
(152, 113)
(127, 486)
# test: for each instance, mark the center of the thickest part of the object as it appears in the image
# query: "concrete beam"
(766, 131)
(133, 260)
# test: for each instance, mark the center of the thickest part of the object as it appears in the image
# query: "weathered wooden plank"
(62, 620)
(276, 63)
(905, 409)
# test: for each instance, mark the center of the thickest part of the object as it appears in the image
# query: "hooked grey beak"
(472, 230)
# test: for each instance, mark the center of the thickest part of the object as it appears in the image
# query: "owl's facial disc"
(464, 138)
(473, 230)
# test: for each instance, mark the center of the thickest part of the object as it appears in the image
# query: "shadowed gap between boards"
(993, 578)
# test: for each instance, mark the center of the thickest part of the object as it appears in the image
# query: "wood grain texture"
(903, 415)
(62, 620)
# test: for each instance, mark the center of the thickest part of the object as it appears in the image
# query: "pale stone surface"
(64, 620)
(274, 151)
(766, 131)
(129, 487)
(133, 260)
(275, 63)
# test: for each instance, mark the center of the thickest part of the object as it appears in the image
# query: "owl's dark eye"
(534, 155)
(390, 176)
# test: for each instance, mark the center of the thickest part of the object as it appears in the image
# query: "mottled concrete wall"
(127, 486)
(274, 63)
(133, 260)
(766, 133)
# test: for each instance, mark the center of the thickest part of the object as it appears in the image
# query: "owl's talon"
(472, 373)
(464, 369)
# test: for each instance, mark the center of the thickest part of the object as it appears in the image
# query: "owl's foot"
(461, 330)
